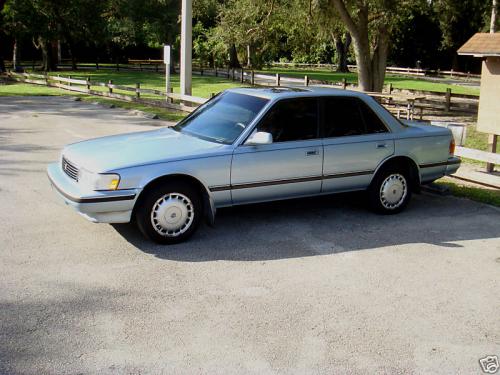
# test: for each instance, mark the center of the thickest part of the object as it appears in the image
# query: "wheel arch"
(402, 161)
(208, 204)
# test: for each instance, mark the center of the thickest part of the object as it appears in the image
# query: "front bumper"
(97, 206)
(452, 165)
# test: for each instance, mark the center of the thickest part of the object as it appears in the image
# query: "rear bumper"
(96, 206)
(452, 165)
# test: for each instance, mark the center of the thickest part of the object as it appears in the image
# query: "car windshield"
(223, 118)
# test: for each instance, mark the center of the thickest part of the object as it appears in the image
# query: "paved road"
(311, 286)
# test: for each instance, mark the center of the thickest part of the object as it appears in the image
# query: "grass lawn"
(398, 81)
(202, 86)
(484, 195)
(26, 89)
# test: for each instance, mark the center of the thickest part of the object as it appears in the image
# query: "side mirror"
(260, 138)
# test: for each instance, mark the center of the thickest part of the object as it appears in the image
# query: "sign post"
(166, 60)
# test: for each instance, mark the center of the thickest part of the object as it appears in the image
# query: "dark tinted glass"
(223, 118)
(372, 121)
(292, 120)
(350, 116)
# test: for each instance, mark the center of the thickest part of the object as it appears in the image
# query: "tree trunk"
(233, 57)
(342, 50)
(371, 68)
(48, 62)
(15, 56)
(379, 59)
(59, 53)
(249, 56)
(53, 54)
(493, 22)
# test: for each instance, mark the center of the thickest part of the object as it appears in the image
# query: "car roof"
(295, 92)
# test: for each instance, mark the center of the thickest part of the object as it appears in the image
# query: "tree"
(458, 21)
(331, 26)
(369, 23)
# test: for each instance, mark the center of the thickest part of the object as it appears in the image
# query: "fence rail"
(390, 69)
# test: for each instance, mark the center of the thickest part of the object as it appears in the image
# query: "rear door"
(289, 167)
(355, 142)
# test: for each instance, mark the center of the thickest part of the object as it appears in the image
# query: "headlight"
(98, 181)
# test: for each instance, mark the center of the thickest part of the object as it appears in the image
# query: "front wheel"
(170, 213)
(390, 191)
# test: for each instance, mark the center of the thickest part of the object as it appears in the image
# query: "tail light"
(452, 146)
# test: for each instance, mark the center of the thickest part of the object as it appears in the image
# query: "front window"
(223, 118)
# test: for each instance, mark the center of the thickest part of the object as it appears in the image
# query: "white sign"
(166, 55)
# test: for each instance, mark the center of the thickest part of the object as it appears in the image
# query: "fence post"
(451, 73)
(88, 84)
(69, 83)
(306, 80)
(242, 75)
(97, 65)
(110, 82)
(215, 68)
(252, 78)
(492, 147)
(117, 66)
(232, 74)
(277, 79)
(389, 88)
(137, 90)
(448, 100)
(344, 83)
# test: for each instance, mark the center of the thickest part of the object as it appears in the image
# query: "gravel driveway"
(318, 286)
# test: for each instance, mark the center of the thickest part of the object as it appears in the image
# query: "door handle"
(312, 152)
(382, 145)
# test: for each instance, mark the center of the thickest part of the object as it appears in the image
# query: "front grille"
(70, 169)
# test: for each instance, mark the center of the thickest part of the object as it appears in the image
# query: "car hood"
(132, 149)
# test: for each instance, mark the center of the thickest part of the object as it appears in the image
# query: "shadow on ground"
(323, 225)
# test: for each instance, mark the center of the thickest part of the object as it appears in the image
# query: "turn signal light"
(452, 146)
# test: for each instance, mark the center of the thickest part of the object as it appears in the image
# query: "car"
(249, 145)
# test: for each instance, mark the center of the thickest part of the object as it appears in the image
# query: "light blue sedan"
(251, 145)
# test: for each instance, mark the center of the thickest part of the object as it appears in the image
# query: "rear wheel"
(170, 213)
(390, 191)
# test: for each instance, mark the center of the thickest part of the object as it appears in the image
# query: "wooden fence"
(177, 102)
(428, 102)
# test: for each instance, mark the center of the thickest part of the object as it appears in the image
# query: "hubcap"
(172, 214)
(393, 191)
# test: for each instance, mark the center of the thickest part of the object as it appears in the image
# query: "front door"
(289, 167)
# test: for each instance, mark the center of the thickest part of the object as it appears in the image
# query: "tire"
(170, 213)
(390, 191)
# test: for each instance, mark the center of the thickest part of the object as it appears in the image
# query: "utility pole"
(186, 46)
(494, 11)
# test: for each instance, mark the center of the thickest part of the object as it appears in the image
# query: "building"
(487, 47)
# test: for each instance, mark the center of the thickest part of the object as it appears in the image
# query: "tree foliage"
(251, 32)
